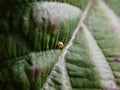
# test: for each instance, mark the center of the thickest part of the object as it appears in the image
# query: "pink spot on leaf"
(36, 71)
(117, 59)
(116, 27)
(54, 24)
(112, 86)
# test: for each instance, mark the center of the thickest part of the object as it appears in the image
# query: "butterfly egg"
(60, 45)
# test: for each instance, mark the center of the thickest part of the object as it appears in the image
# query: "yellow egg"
(60, 45)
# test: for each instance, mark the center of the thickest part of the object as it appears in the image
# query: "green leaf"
(103, 28)
(40, 28)
(89, 60)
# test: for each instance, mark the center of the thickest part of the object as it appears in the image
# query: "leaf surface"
(90, 59)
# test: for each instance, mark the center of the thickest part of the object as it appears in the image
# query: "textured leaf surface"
(114, 4)
(29, 73)
(40, 28)
(106, 36)
(75, 70)
(90, 59)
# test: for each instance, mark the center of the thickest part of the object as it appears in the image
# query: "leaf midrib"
(64, 51)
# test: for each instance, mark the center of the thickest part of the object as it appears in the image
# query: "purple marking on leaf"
(116, 27)
(36, 71)
(112, 86)
(54, 24)
(117, 59)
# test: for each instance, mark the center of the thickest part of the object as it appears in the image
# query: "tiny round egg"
(60, 45)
